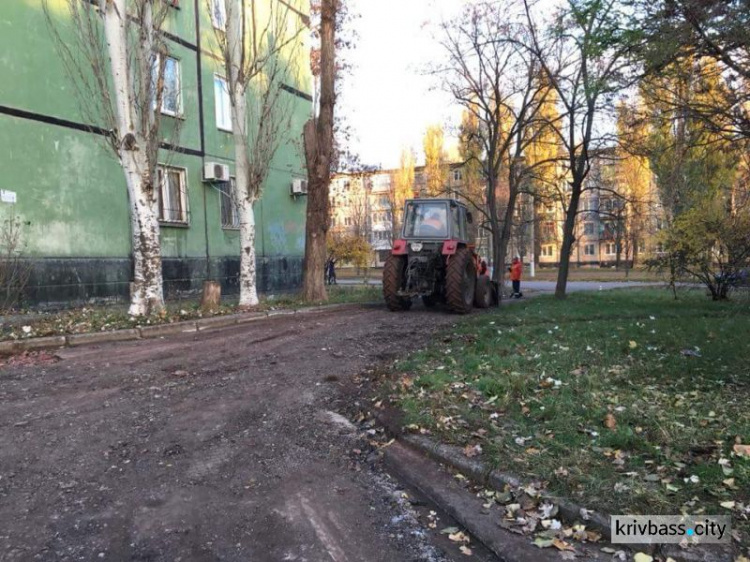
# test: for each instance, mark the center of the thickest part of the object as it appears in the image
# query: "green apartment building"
(68, 190)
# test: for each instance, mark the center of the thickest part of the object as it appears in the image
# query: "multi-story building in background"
(612, 227)
(69, 192)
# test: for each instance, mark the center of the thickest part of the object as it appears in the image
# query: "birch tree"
(115, 55)
(258, 47)
(401, 190)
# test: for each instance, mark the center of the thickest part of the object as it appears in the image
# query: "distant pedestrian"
(331, 270)
(483, 267)
(516, 269)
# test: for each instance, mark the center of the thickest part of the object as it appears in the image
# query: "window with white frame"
(230, 216)
(171, 96)
(218, 15)
(457, 175)
(548, 251)
(610, 249)
(172, 194)
(588, 250)
(223, 104)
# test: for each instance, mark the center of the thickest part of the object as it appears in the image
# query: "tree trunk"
(568, 240)
(211, 298)
(147, 296)
(318, 143)
(505, 232)
(248, 285)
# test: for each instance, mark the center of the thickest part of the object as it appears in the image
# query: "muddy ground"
(216, 445)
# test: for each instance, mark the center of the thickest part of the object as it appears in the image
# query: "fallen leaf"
(632, 344)
(642, 557)
(449, 531)
(562, 545)
(543, 543)
(609, 421)
(727, 505)
(742, 450)
(458, 537)
(472, 450)
(465, 550)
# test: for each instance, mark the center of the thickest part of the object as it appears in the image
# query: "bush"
(14, 270)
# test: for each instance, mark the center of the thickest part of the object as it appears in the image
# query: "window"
(172, 194)
(218, 14)
(230, 216)
(548, 251)
(588, 250)
(457, 175)
(223, 104)
(348, 221)
(588, 228)
(171, 96)
(610, 249)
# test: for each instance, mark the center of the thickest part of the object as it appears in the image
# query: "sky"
(387, 99)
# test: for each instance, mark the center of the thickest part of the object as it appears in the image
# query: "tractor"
(435, 259)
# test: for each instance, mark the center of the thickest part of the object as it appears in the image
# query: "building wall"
(70, 190)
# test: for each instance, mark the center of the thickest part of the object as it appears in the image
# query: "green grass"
(535, 384)
(115, 317)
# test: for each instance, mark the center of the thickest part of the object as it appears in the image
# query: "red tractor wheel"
(394, 273)
(460, 280)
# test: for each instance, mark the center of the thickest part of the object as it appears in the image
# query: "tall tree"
(258, 48)
(690, 29)
(319, 146)
(435, 164)
(586, 58)
(492, 76)
(402, 189)
(116, 58)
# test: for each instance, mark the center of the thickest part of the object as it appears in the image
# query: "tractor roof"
(436, 200)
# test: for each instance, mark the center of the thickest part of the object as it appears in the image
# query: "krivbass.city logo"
(651, 529)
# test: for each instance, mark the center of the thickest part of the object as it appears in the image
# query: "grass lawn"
(625, 401)
(78, 320)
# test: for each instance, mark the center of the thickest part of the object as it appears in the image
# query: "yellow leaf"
(609, 421)
(727, 505)
(562, 545)
(642, 557)
(633, 344)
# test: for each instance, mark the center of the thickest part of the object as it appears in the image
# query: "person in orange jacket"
(516, 269)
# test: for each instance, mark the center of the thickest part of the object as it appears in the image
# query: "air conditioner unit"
(213, 171)
(299, 187)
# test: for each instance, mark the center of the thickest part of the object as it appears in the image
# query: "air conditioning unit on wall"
(299, 187)
(213, 171)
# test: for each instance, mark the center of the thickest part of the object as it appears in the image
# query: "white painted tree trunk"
(244, 196)
(245, 204)
(147, 296)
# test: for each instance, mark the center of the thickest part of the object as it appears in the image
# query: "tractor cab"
(435, 259)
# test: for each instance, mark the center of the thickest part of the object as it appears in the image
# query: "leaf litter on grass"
(642, 426)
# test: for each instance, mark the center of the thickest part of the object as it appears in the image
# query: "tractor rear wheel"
(460, 279)
(394, 272)
(483, 292)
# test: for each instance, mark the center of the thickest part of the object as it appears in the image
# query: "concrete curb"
(569, 511)
(479, 471)
(14, 347)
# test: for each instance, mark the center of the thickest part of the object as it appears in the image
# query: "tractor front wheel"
(394, 273)
(460, 280)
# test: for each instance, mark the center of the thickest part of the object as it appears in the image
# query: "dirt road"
(216, 445)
